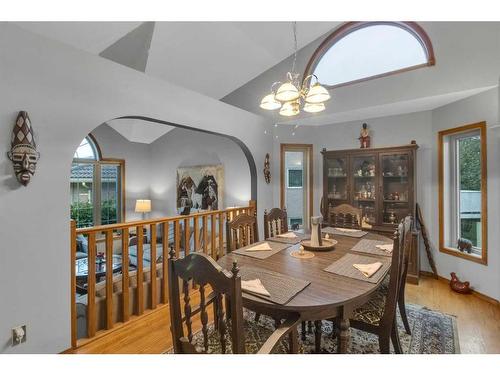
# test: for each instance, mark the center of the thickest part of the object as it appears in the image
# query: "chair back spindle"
(275, 222)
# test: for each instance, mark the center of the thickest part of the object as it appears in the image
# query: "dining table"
(328, 295)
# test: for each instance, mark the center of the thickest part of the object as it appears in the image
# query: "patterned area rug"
(433, 332)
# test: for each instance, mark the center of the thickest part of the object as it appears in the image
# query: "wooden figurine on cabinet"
(364, 137)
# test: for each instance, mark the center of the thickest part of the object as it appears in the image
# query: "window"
(359, 51)
(462, 192)
(295, 223)
(96, 187)
(294, 178)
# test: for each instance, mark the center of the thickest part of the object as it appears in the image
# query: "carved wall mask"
(23, 153)
(267, 169)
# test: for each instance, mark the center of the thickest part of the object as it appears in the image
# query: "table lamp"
(143, 206)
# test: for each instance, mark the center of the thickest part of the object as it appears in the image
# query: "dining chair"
(378, 315)
(201, 270)
(346, 216)
(275, 222)
(241, 231)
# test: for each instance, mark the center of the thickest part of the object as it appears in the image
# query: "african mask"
(23, 153)
(267, 169)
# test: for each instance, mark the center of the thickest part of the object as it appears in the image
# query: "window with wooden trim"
(462, 192)
(359, 51)
(96, 186)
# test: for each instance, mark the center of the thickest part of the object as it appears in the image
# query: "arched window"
(360, 51)
(88, 149)
(96, 186)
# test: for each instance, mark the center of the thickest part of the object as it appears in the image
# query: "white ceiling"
(213, 58)
(139, 131)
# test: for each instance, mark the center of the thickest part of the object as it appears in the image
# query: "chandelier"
(292, 95)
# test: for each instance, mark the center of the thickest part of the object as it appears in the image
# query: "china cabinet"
(379, 181)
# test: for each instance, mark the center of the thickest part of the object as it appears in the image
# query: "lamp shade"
(317, 94)
(143, 205)
(314, 107)
(290, 109)
(269, 102)
(287, 92)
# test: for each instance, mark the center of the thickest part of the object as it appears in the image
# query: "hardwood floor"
(478, 323)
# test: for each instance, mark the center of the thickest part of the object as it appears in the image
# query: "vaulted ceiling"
(238, 61)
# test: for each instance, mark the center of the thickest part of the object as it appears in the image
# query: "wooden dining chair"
(378, 315)
(275, 222)
(201, 270)
(409, 222)
(241, 231)
(345, 216)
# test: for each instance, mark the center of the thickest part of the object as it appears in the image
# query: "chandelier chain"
(294, 28)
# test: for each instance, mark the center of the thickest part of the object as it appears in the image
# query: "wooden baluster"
(125, 278)
(187, 235)
(91, 311)
(152, 264)
(140, 270)
(221, 323)
(177, 238)
(73, 282)
(221, 234)
(203, 317)
(196, 234)
(109, 279)
(187, 309)
(213, 236)
(205, 234)
(164, 245)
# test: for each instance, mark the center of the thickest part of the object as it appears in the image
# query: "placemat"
(282, 288)
(369, 247)
(275, 246)
(335, 231)
(344, 267)
(290, 241)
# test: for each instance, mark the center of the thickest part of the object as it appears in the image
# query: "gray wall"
(184, 148)
(67, 93)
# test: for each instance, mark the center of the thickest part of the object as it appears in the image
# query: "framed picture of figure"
(200, 188)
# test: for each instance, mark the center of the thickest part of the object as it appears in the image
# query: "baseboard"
(474, 292)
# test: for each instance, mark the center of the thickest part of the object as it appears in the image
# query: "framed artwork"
(200, 188)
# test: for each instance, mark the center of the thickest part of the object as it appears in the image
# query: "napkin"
(260, 247)
(368, 269)
(254, 286)
(387, 247)
(348, 230)
(287, 235)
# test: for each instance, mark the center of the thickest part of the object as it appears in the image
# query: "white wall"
(185, 148)
(137, 158)
(67, 92)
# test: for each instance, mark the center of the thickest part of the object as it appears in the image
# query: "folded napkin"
(347, 230)
(368, 269)
(387, 248)
(287, 235)
(254, 286)
(260, 247)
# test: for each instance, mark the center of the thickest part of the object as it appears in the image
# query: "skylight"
(370, 51)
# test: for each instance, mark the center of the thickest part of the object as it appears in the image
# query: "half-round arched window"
(360, 51)
(88, 149)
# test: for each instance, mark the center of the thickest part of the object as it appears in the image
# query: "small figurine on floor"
(364, 137)
(458, 286)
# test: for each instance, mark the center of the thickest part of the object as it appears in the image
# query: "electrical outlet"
(18, 335)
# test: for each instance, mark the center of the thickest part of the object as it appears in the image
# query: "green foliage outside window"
(82, 213)
(470, 163)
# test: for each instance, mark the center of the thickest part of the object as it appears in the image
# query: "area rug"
(433, 332)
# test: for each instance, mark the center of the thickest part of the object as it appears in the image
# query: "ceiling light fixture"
(291, 94)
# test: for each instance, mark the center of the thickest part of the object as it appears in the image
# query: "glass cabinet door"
(364, 183)
(337, 189)
(395, 187)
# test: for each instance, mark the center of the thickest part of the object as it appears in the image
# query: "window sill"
(471, 257)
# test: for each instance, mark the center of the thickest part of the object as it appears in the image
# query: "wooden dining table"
(328, 296)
